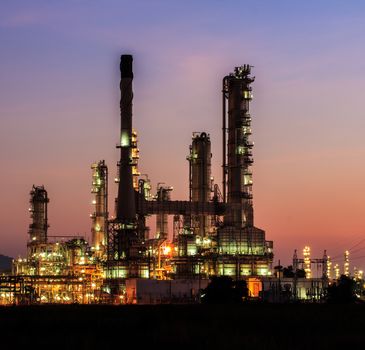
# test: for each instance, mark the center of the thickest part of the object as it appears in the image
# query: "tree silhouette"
(342, 292)
(223, 290)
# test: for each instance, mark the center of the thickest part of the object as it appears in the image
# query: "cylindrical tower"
(126, 208)
(38, 209)
(329, 268)
(337, 271)
(163, 194)
(238, 159)
(200, 179)
(100, 201)
(122, 232)
(307, 261)
(346, 263)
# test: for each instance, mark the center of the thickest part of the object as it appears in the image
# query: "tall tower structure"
(337, 271)
(100, 202)
(39, 215)
(346, 263)
(200, 187)
(125, 251)
(163, 195)
(237, 153)
(238, 236)
(307, 261)
(329, 268)
(126, 207)
(124, 233)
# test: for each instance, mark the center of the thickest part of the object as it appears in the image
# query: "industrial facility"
(213, 232)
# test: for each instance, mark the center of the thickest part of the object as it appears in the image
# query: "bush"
(223, 290)
(342, 292)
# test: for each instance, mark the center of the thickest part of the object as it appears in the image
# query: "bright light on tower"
(346, 264)
(329, 265)
(337, 271)
(307, 262)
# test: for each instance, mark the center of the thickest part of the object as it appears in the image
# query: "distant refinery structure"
(213, 232)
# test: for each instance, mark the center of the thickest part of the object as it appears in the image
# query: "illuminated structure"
(57, 269)
(337, 271)
(214, 232)
(237, 248)
(39, 215)
(200, 181)
(329, 268)
(307, 261)
(163, 194)
(126, 250)
(99, 217)
(238, 238)
(346, 263)
(135, 157)
(237, 151)
(321, 265)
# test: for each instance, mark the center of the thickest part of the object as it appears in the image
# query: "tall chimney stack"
(126, 208)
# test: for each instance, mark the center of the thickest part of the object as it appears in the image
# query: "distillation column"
(162, 229)
(237, 165)
(38, 209)
(238, 236)
(100, 201)
(200, 180)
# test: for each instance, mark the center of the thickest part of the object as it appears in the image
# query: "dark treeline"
(239, 326)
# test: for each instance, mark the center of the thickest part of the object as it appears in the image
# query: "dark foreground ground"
(192, 327)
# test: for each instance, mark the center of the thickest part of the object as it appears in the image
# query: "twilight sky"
(59, 108)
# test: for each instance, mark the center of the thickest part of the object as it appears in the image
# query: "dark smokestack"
(126, 62)
(126, 209)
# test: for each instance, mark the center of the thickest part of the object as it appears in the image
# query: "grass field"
(256, 326)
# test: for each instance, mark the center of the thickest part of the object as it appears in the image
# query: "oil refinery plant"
(213, 232)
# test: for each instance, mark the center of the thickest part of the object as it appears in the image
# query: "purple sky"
(59, 107)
